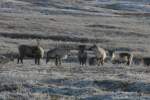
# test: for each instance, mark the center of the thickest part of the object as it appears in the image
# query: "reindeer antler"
(38, 42)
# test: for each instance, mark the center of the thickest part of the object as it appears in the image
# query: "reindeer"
(142, 60)
(100, 54)
(146, 61)
(82, 55)
(36, 52)
(57, 54)
(121, 57)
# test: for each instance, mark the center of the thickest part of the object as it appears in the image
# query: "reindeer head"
(93, 47)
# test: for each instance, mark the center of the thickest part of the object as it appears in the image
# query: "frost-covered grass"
(71, 81)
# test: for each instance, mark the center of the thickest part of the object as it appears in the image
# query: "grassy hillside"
(112, 24)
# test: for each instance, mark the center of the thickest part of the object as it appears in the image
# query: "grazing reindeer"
(121, 57)
(57, 54)
(146, 61)
(82, 55)
(137, 60)
(35, 52)
(100, 54)
(142, 60)
(10, 55)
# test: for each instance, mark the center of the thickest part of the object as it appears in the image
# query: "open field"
(72, 22)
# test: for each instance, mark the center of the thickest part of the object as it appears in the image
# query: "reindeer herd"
(57, 54)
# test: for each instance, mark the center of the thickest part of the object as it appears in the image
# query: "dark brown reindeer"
(82, 55)
(146, 61)
(142, 60)
(57, 54)
(36, 52)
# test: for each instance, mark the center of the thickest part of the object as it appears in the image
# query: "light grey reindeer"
(100, 54)
(121, 57)
(36, 52)
(57, 54)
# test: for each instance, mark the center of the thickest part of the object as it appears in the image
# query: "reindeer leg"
(128, 62)
(85, 62)
(35, 60)
(98, 61)
(18, 60)
(38, 61)
(102, 61)
(59, 61)
(47, 60)
(81, 61)
(22, 60)
(56, 61)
